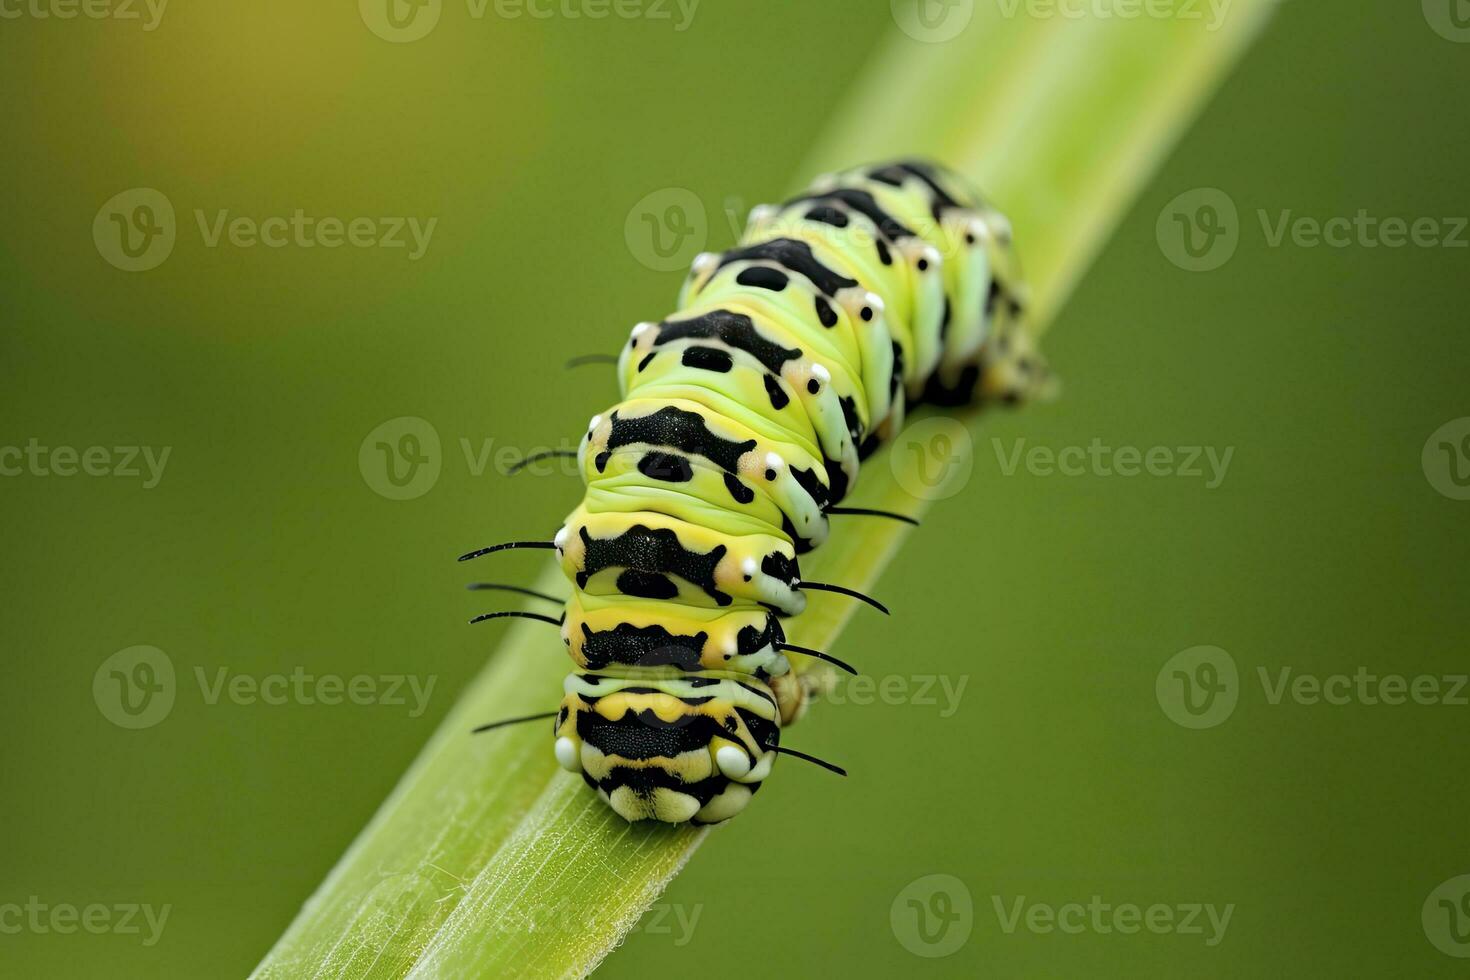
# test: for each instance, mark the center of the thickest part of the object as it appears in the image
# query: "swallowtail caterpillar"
(744, 419)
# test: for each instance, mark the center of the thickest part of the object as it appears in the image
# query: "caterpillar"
(744, 419)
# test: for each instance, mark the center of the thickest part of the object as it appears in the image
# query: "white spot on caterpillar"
(1002, 226)
(561, 538)
(596, 421)
(774, 462)
(931, 255)
(875, 301)
(567, 755)
(703, 260)
(748, 568)
(821, 373)
(641, 328)
(732, 761)
(761, 213)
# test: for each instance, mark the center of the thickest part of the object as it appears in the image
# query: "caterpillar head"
(674, 748)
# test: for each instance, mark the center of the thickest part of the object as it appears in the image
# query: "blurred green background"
(1058, 774)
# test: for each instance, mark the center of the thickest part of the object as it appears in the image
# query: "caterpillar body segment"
(741, 348)
(886, 256)
(855, 332)
(982, 280)
(633, 481)
(743, 420)
(602, 631)
(648, 555)
(670, 439)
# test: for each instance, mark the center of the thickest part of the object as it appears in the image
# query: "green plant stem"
(487, 860)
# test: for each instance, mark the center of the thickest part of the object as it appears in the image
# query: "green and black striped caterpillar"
(743, 421)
